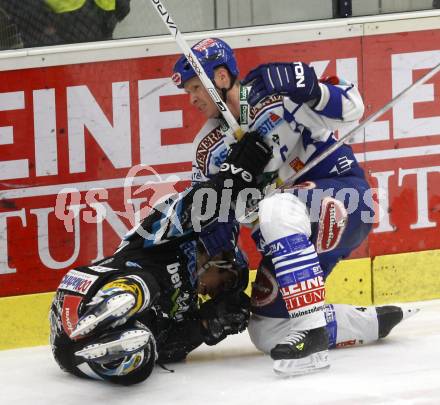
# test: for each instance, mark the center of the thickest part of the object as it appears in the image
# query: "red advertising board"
(84, 126)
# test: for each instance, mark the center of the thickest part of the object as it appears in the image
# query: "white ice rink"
(404, 368)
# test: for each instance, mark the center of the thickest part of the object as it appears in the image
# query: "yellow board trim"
(24, 320)
(407, 277)
(401, 277)
(350, 283)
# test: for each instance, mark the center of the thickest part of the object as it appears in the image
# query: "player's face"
(213, 280)
(200, 98)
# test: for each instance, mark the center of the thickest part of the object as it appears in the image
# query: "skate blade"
(116, 306)
(292, 367)
(129, 342)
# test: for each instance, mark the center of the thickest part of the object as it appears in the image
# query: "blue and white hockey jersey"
(296, 132)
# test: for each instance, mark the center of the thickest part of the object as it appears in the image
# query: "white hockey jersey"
(295, 132)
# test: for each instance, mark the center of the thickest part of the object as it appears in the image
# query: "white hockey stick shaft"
(362, 125)
(198, 68)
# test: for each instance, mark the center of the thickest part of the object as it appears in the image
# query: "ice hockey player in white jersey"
(305, 230)
(114, 319)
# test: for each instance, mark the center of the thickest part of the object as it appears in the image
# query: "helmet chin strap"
(224, 94)
(224, 90)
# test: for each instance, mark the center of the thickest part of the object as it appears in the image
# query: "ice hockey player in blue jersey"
(305, 230)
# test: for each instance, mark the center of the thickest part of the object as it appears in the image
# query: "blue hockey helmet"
(211, 53)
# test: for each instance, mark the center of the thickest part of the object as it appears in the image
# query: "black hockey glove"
(246, 160)
(181, 338)
(225, 315)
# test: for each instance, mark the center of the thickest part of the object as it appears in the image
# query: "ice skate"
(116, 345)
(301, 352)
(389, 316)
(112, 305)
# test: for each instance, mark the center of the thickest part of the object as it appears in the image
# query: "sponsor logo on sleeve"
(265, 103)
(205, 147)
(69, 314)
(77, 281)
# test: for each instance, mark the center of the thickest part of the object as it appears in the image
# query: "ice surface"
(404, 368)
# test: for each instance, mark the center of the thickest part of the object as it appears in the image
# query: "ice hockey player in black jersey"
(114, 319)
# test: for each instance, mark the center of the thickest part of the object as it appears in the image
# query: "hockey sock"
(300, 279)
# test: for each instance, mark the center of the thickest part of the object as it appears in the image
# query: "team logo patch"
(205, 147)
(343, 165)
(206, 43)
(264, 289)
(177, 79)
(77, 281)
(69, 314)
(332, 223)
(296, 164)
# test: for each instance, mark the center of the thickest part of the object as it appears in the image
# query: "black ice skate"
(111, 306)
(116, 345)
(301, 352)
(120, 353)
(389, 316)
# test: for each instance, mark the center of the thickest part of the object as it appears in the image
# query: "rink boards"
(396, 278)
(77, 118)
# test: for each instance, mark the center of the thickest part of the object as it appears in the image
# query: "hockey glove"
(295, 80)
(218, 236)
(180, 339)
(246, 160)
(225, 315)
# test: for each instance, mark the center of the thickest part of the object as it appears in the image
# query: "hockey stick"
(310, 165)
(198, 68)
